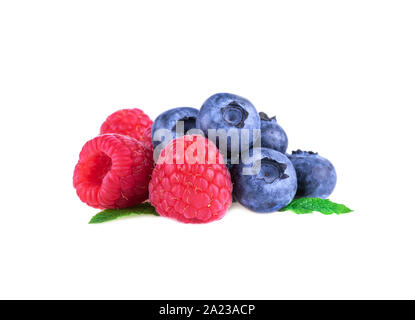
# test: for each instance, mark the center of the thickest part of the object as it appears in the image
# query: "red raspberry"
(113, 171)
(128, 122)
(191, 188)
(147, 138)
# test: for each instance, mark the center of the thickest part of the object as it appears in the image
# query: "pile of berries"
(191, 164)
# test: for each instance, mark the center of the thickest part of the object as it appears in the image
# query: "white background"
(339, 76)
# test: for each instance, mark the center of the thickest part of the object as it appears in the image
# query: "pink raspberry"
(113, 171)
(193, 184)
(129, 122)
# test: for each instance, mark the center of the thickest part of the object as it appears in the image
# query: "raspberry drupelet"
(129, 122)
(113, 171)
(190, 182)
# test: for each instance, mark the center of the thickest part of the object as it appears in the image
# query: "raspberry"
(147, 138)
(113, 171)
(128, 122)
(190, 188)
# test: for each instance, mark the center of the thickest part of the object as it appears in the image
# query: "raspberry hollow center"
(97, 167)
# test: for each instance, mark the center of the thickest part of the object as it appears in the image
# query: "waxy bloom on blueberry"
(229, 115)
(316, 175)
(272, 135)
(271, 184)
(166, 126)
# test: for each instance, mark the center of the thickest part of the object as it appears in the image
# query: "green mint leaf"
(112, 214)
(309, 205)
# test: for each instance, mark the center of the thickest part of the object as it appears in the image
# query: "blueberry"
(229, 163)
(168, 121)
(231, 113)
(273, 185)
(272, 135)
(316, 175)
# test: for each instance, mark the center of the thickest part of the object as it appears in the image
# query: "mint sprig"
(309, 205)
(112, 214)
(299, 206)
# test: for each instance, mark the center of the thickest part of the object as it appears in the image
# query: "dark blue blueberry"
(272, 135)
(231, 113)
(228, 163)
(273, 185)
(168, 121)
(316, 175)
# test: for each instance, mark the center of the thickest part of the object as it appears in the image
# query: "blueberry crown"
(264, 116)
(279, 166)
(234, 114)
(300, 152)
